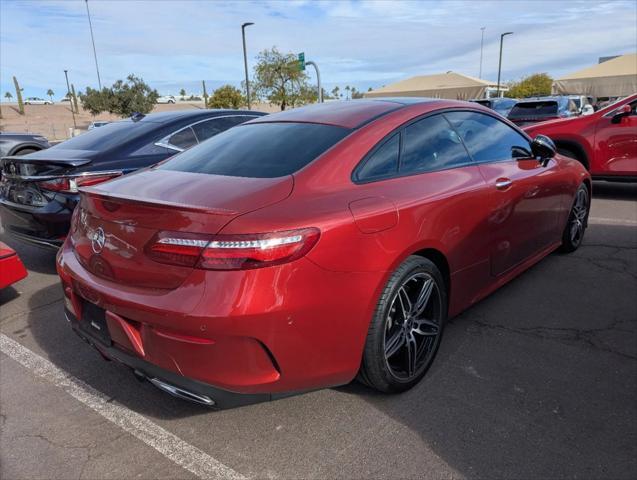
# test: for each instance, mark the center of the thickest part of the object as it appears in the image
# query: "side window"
(431, 144)
(489, 139)
(209, 128)
(183, 138)
(383, 162)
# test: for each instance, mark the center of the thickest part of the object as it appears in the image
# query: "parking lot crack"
(587, 336)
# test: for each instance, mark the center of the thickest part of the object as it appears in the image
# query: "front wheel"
(406, 329)
(577, 221)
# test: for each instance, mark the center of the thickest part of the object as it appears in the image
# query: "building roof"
(618, 66)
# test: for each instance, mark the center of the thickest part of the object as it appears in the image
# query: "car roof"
(170, 116)
(346, 113)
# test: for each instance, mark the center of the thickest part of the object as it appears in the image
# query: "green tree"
(182, 92)
(227, 96)
(356, 93)
(335, 91)
(277, 77)
(533, 85)
(18, 93)
(8, 96)
(123, 98)
(50, 93)
(347, 89)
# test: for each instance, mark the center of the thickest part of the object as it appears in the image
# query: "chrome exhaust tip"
(182, 393)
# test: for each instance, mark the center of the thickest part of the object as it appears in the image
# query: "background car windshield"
(108, 136)
(262, 150)
(532, 109)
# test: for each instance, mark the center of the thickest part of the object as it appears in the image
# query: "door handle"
(503, 183)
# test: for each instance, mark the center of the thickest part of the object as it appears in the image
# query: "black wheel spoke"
(412, 328)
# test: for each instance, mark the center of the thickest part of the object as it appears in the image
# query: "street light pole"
(68, 95)
(318, 79)
(497, 93)
(481, 48)
(245, 59)
(90, 26)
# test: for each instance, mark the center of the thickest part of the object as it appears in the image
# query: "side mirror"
(543, 148)
(588, 109)
(620, 113)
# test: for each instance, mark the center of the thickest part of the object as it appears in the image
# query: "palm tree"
(50, 93)
(347, 89)
(182, 93)
(335, 91)
(8, 96)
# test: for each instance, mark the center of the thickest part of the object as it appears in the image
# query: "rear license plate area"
(93, 323)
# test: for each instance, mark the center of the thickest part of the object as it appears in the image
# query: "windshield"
(107, 136)
(260, 150)
(534, 109)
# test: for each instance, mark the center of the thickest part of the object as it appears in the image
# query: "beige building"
(613, 78)
(448, 85)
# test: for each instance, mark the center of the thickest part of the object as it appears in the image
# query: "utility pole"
(245, 59)
(318, 79)
(481, 48)
(68, 95)
(497, 93)
(90, 26)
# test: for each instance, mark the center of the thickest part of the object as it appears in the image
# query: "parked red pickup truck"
(605, 141)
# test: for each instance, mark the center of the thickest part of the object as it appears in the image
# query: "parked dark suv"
(540, 109)
(39, 191)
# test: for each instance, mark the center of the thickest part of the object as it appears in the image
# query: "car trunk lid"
(117, 221)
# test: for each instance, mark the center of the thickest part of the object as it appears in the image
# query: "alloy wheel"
(413, 326)
(578, 216)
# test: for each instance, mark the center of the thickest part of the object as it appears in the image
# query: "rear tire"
(406, 328)
(26, 151)
(573, 233)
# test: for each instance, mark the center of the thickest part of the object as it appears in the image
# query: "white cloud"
(363, 43)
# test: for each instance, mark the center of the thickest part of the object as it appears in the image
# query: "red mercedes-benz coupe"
(303, 249)
(605, 142)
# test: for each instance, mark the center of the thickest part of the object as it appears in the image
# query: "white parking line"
(611, 221)
(172, 447)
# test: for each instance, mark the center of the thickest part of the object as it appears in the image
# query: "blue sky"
(175, 44)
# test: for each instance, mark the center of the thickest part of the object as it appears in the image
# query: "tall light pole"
(90, 26)
(497, 93)
(68, 95)
(481, 48)
(245, 59)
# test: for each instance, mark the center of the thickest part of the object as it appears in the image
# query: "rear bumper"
(171, 382)
(45, 226)
(265, 332)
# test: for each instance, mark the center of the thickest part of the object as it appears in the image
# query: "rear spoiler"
(130, 199)
(78, 162)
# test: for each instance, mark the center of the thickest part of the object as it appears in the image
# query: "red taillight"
(232, 252)
(71, 184)
(56, 185)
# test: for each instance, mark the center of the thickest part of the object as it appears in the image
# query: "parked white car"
(166, 99)
(37, 101)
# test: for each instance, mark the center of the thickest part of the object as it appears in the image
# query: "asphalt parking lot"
(537, 381)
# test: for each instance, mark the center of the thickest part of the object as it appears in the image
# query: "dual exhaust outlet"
(176, 391)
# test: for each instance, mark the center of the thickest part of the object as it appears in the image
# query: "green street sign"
(302, 61)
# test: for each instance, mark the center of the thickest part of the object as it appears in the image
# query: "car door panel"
(616, 145)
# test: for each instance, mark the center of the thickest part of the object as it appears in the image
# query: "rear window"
(108, 136)
(261, 150)
(534, 109)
